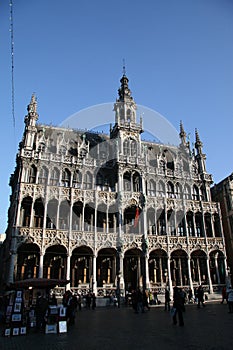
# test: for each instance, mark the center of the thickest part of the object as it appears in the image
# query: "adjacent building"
(223, 193)
(112, 211)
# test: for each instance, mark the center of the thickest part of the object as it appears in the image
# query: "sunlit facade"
(112, 211)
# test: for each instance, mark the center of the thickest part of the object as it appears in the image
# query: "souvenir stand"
(20, 313)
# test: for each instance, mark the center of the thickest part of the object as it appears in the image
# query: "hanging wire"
(12, 63)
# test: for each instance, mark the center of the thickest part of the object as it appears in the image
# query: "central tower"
(125, 114)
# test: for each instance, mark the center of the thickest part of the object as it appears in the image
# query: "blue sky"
(179, 60)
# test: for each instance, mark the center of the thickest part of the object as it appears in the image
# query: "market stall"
(21, 313)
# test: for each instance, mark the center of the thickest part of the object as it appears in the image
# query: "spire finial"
(124, 70)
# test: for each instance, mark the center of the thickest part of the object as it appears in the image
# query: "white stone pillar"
(216, 268)
(190, 274)
(68, 270)
(209, 276)
(41, 264)
(94, 285)
(169, 274)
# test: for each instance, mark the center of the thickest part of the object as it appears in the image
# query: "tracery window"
(195, 193)
(151, 188)
(43, 176)
(170, 190)
(66, 178)
(54, 177)
(87, 181)
(77, 179)
(32, 174)
(161, 189)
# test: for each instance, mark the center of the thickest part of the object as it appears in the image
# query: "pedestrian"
(156, 300)
(178, 306)
(134, 300)
(190, 295)
(140, 307)
(224, 294)
(79, 299)
(200, 297)
(88, 300)
(230, 300)
(167, 300)
(146, 300)
(40, 311)
(53, 300)
(93, 301)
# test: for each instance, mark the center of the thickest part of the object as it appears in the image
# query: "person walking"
(167, 300)
(178, 306)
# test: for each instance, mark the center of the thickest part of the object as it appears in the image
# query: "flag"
(137, 213)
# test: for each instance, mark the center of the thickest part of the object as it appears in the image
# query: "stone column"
(121, 272)
(41, 264)
(216, 268)
(94, 285)
(169, 274)
(68, 270)
(189, 273)
(208, 274)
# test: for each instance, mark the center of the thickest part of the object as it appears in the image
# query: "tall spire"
(198, 143)
(182, 134)
(124, 91)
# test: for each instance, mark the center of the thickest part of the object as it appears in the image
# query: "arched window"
(43, 176)
(126, 148)
(161, 189)
(170, 190)
(151, 188)
(178, 191)
(187, 192)
(195, 193)
(136, 182)
(133, 148)
(65, 178)
(54, 177)
(77, 179)
(128, 115)
(203, 193)
(127, 181)
(32, 174)
(87, 181)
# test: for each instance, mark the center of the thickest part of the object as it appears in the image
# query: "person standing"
(178, 305)
(41, 309)
(200, 297)
(224, 294)
(93, 301)
(230, 300)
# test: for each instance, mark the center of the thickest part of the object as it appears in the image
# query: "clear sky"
(179, 61)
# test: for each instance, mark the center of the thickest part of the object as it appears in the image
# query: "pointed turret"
(200, 157)
(30, 123)
(182, 134)
(198, 143)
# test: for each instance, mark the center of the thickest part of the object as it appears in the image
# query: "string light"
(12, 62)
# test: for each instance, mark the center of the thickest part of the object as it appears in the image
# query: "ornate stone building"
(112, 211)
(223, 193)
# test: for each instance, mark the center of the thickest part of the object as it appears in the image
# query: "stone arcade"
(112, 211)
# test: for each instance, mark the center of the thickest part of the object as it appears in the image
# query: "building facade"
(223, 193)
(112, 211)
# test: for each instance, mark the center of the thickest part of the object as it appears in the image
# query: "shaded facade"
(112, 211)
(223, 193)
